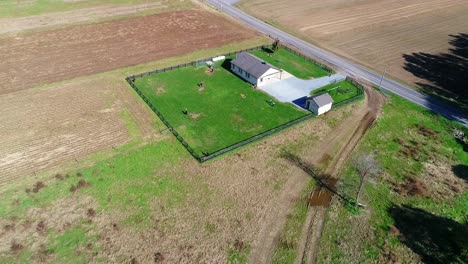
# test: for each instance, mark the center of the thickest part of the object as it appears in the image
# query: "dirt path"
(13, 25)
(350, 133)
(268, 235)
(339, 144)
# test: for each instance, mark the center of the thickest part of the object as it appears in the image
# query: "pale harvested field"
(44, 128)
(375, 33)
(12, 25)
(32, 59)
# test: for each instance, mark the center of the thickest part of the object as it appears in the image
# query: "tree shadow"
(436, 239)
(461, 171)
(446, 73)
(227, 64)
(268, 50)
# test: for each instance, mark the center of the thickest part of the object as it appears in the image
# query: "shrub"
(16, 247)
(59, 177)
(91, 212)
(41, 227)
(412, 187)
(79, 185)
(158, 257)
(38, 186)
(427, 131)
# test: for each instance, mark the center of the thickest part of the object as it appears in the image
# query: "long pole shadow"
(323, 181)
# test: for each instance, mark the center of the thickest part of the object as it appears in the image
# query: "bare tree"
(276, 45)
(367, 166)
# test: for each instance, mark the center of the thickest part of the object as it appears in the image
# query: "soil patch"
(45, 56)
(160, 90)
(195, 115)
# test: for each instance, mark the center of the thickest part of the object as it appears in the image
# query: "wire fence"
(360, 93)
(256, 137)
(208, 156)
(316, 63)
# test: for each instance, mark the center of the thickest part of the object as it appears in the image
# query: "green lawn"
(339, 91)
(292, 63)
(227, 111)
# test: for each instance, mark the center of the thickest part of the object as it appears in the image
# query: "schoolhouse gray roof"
(251, 64)
(321, 100)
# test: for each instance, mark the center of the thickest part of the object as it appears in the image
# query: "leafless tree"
(276, 45)
(367, 166)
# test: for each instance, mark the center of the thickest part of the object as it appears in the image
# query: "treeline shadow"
(446, 73)
(435, 239)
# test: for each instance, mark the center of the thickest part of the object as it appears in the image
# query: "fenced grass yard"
(340, 91)
(223, 111)
(295, 64)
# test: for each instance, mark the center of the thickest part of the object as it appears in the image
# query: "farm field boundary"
(208, 156)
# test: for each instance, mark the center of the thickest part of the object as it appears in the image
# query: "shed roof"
(321, 100)
(251, 64)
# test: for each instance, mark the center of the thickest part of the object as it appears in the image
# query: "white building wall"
(272, 75)
(324, 109)
(318, 110)
(243, 74)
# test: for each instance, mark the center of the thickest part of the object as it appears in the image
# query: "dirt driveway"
(333, 157)
(335, 146)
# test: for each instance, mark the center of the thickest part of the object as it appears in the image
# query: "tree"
(276, 45)
(367, 166)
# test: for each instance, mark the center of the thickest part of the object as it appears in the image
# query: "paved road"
(343, 65)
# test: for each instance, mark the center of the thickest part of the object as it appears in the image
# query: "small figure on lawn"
(201, 86)
(185, 111)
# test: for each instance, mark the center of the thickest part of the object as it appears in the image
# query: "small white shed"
(319, 104)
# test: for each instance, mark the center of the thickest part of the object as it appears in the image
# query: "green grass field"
(128, 182)
(339, 91)
(292, 63)
(226, 111)
(404, 139)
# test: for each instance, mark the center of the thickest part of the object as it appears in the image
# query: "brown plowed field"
(44, 128)
(375, 33)
(43, 57)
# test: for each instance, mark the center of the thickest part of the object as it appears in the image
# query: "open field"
(225, 111)
(339, 91)
(292, 63)
(156, 201)
(43, 128)
(376, 33)
(33, 59)
(93, 14)
(60, 123)
(22, 8)
(416, 208)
